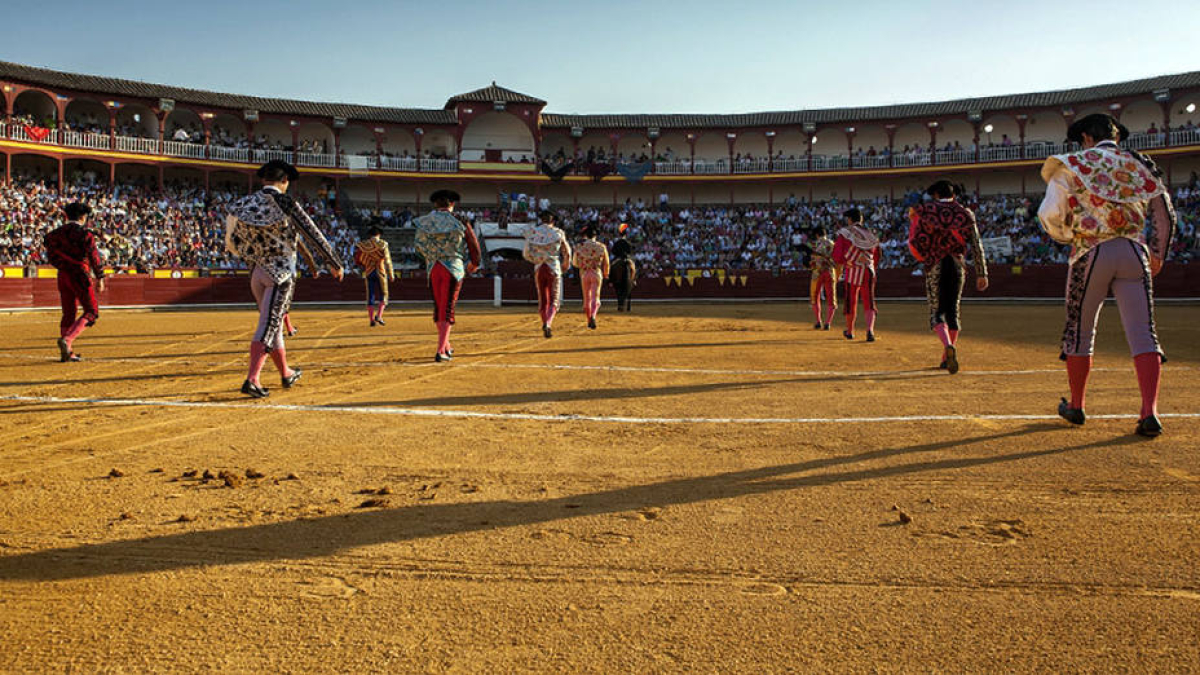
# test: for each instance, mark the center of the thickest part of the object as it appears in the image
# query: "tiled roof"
(492, 94)
(118, 87)
(888, 112)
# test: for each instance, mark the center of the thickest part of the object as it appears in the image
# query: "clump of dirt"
(157, 470)
(255, 474)
(190, 473)
(231, 479)
(125, 516)
(375, 503)
(292, 476)
(185, 518)
(650, 513)
(905, 518)
(207, 475)
(116, 473)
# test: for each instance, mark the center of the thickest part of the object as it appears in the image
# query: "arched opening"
(272, 135)
(870, 146)
(184, 126)
(35, 108)
(1045, 134)
(1181, 116)
(357, 140)
(497, 137)
(791, 148)
(399, 142)
(556, 145)
(438, 144)
(595, 147)
(85, 173)
(315, 139)
(999, 138)
(137, 121)
(633, 147)
(183, 179)
(712, 153)
(1144, 121)
(227, 131)
(28, 169)
(751, 153)
(955, 142)
(829, 148)
(137, 176)
(227, 183)
(87, 115)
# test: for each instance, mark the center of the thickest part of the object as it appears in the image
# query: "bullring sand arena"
(692, 487)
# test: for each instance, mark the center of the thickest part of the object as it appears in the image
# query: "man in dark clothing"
(71, 249)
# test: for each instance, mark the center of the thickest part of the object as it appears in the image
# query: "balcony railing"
(439, 165)
(82, 139)
(1032, 150)
(315, 159)
(397, 163)
(145, 146)
(180, 149)
(222, 153)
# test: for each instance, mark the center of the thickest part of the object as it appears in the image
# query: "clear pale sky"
(613, 55)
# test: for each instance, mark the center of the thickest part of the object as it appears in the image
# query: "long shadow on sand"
(329, 535)
(615, 393)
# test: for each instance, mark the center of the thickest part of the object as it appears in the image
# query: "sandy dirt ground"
(709, 508)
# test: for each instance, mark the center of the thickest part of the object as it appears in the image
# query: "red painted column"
(295, 142)
(808, 152)
(891, 134)
(112, 129)
(933, 145)
(771, 153)
(975, 140)
(8, 168)
(691, 139)
(60, 174)
(112, 174)
(1166, 130)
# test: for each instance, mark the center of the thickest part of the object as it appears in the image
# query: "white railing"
(752, 166)
(264, 156)
(870, 162)
(678, 168)
(799, 164)
(314, 159)
(145, 146)
(83, 139)
(1146, 141)
(955, 156)
(913, 159)
(18, 132)
(439, 165)
(398, 163)
(708, 167)
(1185, 137)
(1000, 153)
(180, 149)
(225, 154)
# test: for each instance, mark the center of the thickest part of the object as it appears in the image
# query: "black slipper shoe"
(253, 390)
(1072, 415)
(289, 381)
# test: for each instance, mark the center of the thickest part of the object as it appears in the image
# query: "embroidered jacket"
(264, 229)
(821, 259)
(71, 249)
(591, 256)
(443, 238)
(945, 228)
(1106, 192)
(372, 255)
(547, 245)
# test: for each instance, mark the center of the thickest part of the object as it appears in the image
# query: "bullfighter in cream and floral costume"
(1112, 206)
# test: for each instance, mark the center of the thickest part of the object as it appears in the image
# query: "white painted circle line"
(418, 412)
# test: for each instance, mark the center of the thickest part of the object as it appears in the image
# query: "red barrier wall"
(1175, 281)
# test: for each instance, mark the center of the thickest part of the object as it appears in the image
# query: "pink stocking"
(258, 357)
(279, 358)
(1078, 368)
(1149, 372)
(943, 334)
(75, 329)
(443, 336)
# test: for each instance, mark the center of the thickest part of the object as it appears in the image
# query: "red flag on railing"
(37, 133)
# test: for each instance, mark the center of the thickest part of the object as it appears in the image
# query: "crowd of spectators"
(182, 226)
(139, 227)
